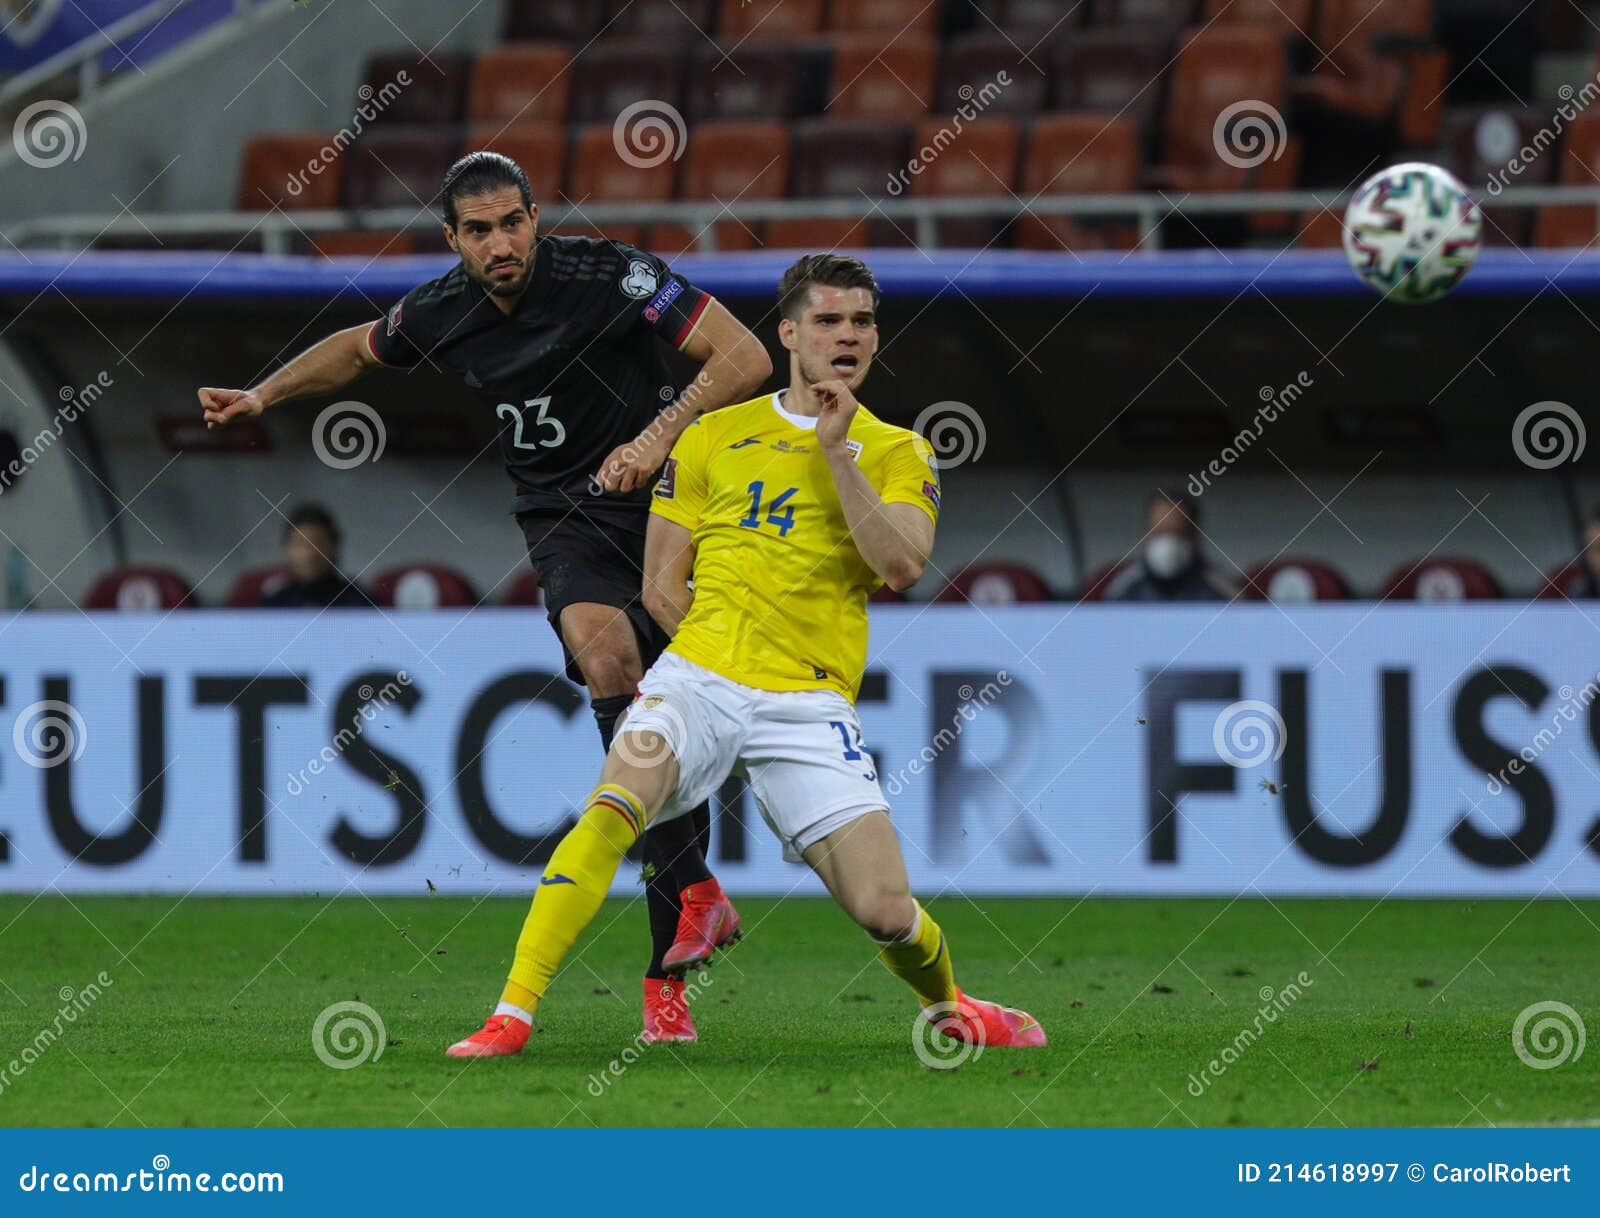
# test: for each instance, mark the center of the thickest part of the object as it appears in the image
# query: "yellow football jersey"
(780, 590)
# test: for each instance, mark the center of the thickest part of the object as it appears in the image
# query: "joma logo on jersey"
(742, 443)
(783, 446)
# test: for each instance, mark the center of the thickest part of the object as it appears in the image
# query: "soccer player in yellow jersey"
(786, 512)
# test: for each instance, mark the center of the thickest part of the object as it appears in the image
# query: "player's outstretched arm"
(733, 366)
(329, 365)
(668, 564)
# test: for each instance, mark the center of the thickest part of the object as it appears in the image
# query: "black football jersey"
(574, 370)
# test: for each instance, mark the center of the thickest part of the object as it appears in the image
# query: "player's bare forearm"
(895, 539)
(323, 368)
(668, 564)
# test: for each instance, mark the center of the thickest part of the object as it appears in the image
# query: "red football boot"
(708, 921)
(990, 1025)
(500, 1036)
(666, 1014)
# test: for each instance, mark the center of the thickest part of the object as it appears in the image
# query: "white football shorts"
(800, 751)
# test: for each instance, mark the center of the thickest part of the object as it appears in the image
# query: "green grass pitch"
(1407, 1018)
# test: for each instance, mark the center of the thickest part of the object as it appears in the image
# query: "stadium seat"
(754, 80)
(879, 79)
(1321, 230)
(600, 175)
(729, 162)
(1286, 18)
(1071, 154)
(1214, 69)
(994, 583)
(437, 92)
(1033, 19)
(1294, 581)
(1561, 583)
(251, 586)
(663, 21)
(1166, 17)
(521, 82)
(738, 20)
(574, 21)
(1479, 143)
(831, 158)
(969, 74)
(981, 160)
(422, 586)
(361, 243)
(540, 148)
(611, 76)
(272, 162)
(524, 590)
(1099, 584)
(398, 167)
(898, 17)
(1441, 579)
(1378, 65)
(1115, 71)
(137, 589)
(1573, 227)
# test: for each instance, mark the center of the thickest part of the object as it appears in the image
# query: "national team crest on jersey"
(669, 293)
(640, 281)
(668, 486)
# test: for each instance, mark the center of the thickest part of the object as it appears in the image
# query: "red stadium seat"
(838, 158)
(422, 586)
(897, 17)
(738, 19)
(1321, 230)
(969, 73)
(1574, 227)
(437, 92)
(1163, 16)
(994, 583)
(1100, 582)
(599, 174)
(521, 82)
(878, 79)
(138, 589)
(277, 172)
(1377, 65)
(252, 585)
(1287, 18)
(661, 20)
(398, 167)
(980, 160)
(1115, 71)
(574, 21)
(524, 590)
(754, 80)
(1441, 579)
(540, 148)
(1295, 580)
(611, 76)
(729, 162)
(1070, 154)
(1563, 582)
(361, 243)
(1030, 19)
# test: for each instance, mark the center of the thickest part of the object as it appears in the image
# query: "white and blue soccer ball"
(1411, 232)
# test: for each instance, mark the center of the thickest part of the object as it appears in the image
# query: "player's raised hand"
(630, 466)
(223, 406)
(838, 408)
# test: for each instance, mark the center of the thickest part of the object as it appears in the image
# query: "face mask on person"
(1168, 555)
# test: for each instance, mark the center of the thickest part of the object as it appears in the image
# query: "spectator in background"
(311, 552)
(1171, 567)
(1585, 581)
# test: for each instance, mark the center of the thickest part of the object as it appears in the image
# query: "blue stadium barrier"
(989, 274)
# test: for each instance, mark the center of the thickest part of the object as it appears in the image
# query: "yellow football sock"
(922, 961)
(574, 884)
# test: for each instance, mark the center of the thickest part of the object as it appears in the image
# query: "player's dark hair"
(313, 515)
(1184, 502)
(830, 270)
(478, 173)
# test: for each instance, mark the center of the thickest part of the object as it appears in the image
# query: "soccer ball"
(1412, 232)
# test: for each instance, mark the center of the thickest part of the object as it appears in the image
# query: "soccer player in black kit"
(561, 337)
